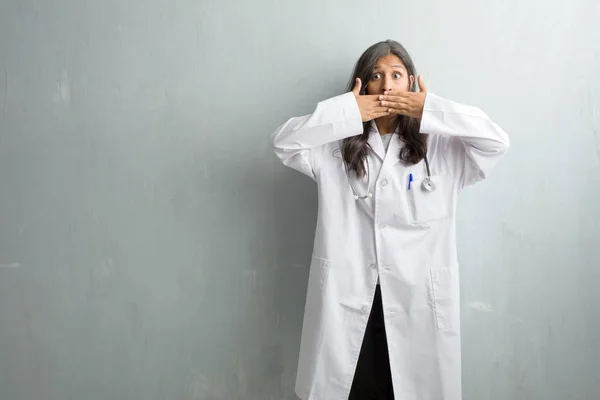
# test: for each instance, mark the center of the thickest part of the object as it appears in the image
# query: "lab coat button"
(384, 183)
(365, 310)
(373, 266)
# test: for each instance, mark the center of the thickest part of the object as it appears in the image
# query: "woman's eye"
(397, 76)
(376, 76)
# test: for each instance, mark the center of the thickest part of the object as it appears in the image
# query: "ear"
(412, 83)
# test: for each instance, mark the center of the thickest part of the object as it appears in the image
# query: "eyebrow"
(395, 66)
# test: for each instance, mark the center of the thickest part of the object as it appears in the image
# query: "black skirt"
(373, 377)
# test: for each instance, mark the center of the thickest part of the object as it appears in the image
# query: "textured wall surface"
(151, 247)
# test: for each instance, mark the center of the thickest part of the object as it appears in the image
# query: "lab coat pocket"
(427, 206)
(444, 298)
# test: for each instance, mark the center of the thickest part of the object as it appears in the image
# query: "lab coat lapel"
(392, 156)
(375, 141)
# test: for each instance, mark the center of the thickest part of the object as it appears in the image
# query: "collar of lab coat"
(392, 155)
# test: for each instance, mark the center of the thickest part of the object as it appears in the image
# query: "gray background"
(151, 247)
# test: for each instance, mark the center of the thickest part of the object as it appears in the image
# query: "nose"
(387, 86)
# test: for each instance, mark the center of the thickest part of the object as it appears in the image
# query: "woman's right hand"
(369, 105)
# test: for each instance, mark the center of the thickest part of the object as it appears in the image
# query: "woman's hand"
(369, 105)
(406, 103)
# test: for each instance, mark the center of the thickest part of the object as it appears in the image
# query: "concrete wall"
(151, 247)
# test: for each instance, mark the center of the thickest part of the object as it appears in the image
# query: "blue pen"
(410, 179)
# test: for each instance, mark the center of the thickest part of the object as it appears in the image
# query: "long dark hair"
(354, 149)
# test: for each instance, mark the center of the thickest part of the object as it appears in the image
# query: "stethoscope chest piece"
(428, 184)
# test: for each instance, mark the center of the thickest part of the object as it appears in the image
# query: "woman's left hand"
(406, 103)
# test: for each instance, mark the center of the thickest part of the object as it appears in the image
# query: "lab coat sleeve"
(475, 143)
(298, 143)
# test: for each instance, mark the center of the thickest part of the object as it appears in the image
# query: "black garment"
(373, 377)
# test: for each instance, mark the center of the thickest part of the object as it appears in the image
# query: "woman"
(389, 162)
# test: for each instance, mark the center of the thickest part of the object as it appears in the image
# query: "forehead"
(390, 61)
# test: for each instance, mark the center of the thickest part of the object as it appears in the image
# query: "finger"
(379, 109)
(380, 114)
(371, 100)
(422, 87)
(357, 87)
(395, 104)
(397, 98)
(403, 111)
(407, 113)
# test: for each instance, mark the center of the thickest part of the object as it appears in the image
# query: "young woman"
(382, 310)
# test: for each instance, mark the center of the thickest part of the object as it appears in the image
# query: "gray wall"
(151, 247)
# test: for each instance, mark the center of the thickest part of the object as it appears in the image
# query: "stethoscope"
(427, 185)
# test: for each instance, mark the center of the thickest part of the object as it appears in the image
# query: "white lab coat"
(404, 237)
